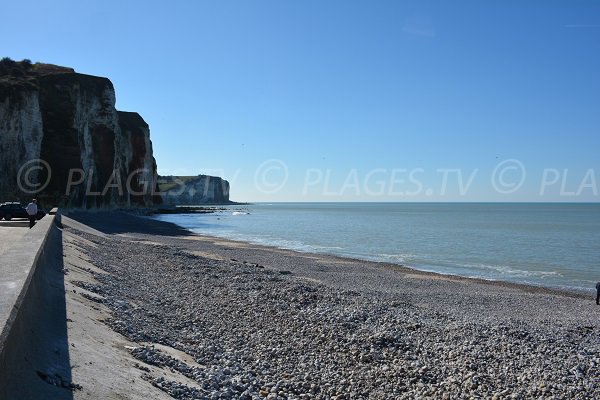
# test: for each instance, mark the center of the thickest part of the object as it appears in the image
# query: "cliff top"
(22, 75)
(22, 72)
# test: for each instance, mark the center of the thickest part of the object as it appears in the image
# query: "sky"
(346, 100)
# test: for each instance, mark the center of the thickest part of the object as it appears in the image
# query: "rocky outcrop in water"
(63, 141)
(193, 190)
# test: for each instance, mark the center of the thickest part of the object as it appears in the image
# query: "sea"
(544, 244)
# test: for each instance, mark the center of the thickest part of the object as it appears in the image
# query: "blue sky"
(346, 100)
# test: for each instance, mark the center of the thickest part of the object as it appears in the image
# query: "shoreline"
(528, 287)
(581, 293)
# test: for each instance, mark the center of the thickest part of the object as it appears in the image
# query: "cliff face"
(91, 154)
(193, 190)
(21, 133)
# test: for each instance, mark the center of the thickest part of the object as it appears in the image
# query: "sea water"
(547, 244)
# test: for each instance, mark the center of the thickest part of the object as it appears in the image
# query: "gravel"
(274, 331)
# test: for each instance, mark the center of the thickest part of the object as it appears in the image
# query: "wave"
(400, 257)
(512, 270)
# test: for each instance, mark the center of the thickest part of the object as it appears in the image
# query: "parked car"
(12, 210)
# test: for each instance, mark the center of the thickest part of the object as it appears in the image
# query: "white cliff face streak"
(21, 132)
(69, 120)
(96, 121)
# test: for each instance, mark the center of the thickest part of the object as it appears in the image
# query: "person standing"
(598, 293)
(32, 210)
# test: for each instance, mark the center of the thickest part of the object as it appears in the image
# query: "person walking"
(598, 293)
(32, 210)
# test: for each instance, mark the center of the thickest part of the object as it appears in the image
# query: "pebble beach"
(257, 322)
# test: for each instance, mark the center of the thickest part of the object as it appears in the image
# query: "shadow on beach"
(39, 348)
(115, 222)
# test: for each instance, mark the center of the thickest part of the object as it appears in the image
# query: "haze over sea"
(547, 244)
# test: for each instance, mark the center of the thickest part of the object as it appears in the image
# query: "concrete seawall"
(34, 351)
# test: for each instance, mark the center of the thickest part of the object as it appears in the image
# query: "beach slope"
(199, 317)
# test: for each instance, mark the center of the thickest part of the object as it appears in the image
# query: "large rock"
(63, 141)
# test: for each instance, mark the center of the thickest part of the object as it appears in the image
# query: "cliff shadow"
(40, 363)
(115, 222)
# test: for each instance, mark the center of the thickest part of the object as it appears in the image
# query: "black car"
(9, 211)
